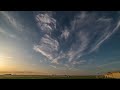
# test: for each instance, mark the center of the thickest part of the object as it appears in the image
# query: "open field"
(48, 77)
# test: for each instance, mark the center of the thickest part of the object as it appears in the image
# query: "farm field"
(48, 77)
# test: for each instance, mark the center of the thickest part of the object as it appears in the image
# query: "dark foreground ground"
(48, 77)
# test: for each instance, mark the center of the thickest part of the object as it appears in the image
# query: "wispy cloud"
(106, 36)
(82, 15)
(65, 34)
(48, 47)
(86, 33)
(53, 66)
(55, 61)
(6, 33)
(78, 48)
(5, 57)
(79, 62)
(46, 22)
(107, 64)
(37, 48)
(41, 61)
(58, 59)
(103, 19)
(14, 22)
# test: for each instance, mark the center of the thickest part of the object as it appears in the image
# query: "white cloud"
(41, 61)
(85, 36)
(105, 36)
(59, 57)
(65, 34)
(71, 55)
(55, 61)
(6, 33)
(53, 66)
(5, 57)
(38, 49)
(48, 47)
(104, 19)
(79, 62)
(66, 65)
(20, 28)
(81, 20)
(78, 48)
(84, 41)
(82, 15)
(46, 22)
(89, 32)
(12, 20)
(107, 64)
(50, 42)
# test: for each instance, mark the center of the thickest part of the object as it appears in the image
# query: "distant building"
(112, 75)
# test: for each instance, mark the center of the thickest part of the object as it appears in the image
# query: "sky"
(60, 42)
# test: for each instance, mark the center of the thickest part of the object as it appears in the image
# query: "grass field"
(48, 77)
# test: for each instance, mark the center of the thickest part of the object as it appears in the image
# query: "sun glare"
(2, 63)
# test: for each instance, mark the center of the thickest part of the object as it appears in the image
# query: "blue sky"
(61, 42)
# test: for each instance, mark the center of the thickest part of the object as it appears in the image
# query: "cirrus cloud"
(86, 33)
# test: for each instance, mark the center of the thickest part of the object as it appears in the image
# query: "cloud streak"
(107, 64)
(18, 25)
(46, 22)
(14, 22)
(86, 33)
(5, 57)
(53, 66)
(6, 33)
(106, 36)
(65, 34)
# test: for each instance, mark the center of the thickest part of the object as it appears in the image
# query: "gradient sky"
(60, 42)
